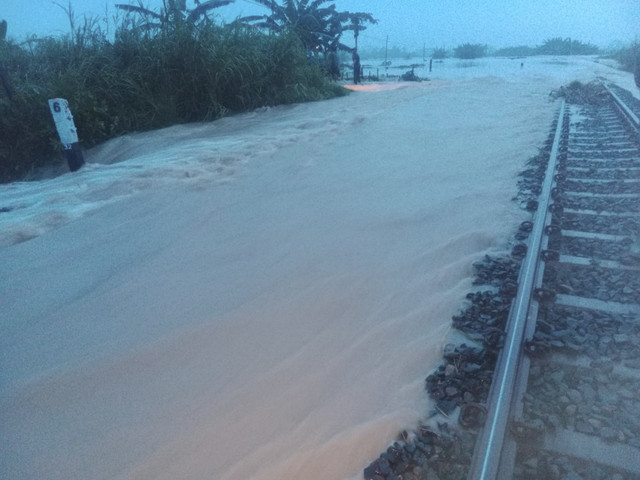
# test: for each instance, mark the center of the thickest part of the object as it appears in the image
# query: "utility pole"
(386, 61)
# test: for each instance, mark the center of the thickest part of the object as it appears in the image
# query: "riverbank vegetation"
(552, 46)
(161, 68)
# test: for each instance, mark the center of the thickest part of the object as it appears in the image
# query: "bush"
(566, 46)
(142, 81)
(439, 54)
(468, 51)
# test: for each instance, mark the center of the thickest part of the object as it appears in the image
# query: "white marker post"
(67, 131)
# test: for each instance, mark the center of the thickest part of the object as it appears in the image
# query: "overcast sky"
(408, 23)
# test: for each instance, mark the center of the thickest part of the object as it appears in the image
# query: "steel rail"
(486, 460)
(626, 112)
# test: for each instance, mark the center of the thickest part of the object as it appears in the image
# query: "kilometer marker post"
(67, 132)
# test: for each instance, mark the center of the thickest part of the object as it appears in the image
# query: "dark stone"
(379, 468)
(471, 367)
(424, 448)
(584, 427)
(446, 406)
(634, 364)
(451, 391)
(621, 338)
(587, 391)
(603, 365)
(608, 434)
(394, 454)
(384, 467)
(572, 476)
(370, 472)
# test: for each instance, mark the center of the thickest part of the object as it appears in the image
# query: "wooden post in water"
(67, 132)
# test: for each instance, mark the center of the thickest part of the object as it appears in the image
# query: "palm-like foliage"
(173, 12)
(316, 23)
(309, 21)
(357, 22)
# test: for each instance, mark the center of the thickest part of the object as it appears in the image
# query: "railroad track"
(548, 386)
(565, 397)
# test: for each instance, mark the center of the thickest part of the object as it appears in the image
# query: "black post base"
(74, 157)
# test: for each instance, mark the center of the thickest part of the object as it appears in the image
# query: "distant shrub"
(565, 46)
(439, 54)
(469, 51)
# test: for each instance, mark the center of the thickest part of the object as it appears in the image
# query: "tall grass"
(143, 80)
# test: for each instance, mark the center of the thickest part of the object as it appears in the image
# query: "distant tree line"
(466, 51)
(552, 46)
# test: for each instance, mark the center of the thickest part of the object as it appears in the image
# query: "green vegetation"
(552, 46)
(565, 46)
(160, 68)
(439, 54)
(468, 51)
(319, 26)
(174, 13)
